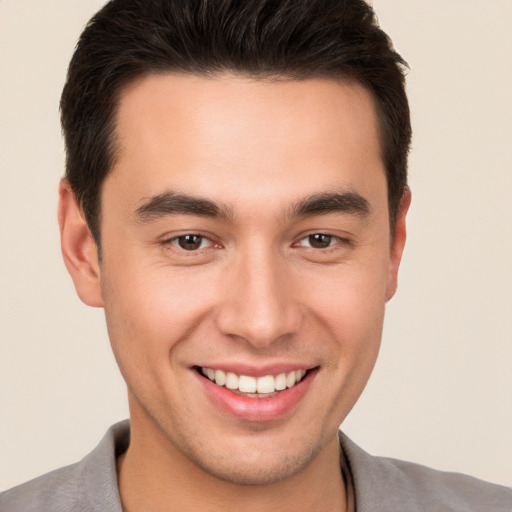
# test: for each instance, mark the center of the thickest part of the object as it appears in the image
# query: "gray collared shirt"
(380, 484)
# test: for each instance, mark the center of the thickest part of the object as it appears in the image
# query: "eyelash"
(175, 241)
(333, 242)
(336, 241)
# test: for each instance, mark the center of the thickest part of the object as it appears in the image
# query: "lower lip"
(257, 409)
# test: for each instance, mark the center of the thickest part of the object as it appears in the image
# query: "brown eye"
(190, 242)
(319, 240)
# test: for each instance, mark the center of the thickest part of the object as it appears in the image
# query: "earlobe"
(78, 248)
(398, 244)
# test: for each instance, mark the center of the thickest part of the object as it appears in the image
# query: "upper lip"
(257, 371)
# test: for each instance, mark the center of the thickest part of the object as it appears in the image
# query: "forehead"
(245, 137)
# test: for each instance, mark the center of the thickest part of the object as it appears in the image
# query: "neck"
(154, 476)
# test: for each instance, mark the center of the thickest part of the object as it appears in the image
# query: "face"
(246, 262)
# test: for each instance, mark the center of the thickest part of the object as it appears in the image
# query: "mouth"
(252, 398)
(254, 387)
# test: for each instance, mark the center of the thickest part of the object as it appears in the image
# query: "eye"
(191, 242)
(319, 241)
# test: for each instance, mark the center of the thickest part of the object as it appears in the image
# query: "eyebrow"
(172, 203)
(326, 203)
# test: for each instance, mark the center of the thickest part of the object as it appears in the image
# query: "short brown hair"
(290, 39)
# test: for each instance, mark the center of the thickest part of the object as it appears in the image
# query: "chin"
(258, 459)
(260, 470)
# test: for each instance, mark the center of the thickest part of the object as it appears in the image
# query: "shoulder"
(388, 484)
(428, 488)
(54, 491)
(87, 486)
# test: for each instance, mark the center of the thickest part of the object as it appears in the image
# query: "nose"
(259, 303)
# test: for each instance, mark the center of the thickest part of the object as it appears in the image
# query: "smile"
(260, 397)
(256, 387)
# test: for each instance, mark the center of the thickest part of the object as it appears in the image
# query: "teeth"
(231, 380)
(246, 384)
(220, 377)
(265, 384)
(260, 385)
(280, 382)
(290, 380)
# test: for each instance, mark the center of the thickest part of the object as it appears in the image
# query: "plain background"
(442, 390)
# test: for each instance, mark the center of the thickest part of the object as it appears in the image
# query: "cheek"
(148, 314)
(356, 325)
(351, 306)
(352, 297)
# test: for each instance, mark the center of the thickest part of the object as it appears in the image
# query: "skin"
(254, 293)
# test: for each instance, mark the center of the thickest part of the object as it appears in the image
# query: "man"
(235, 199)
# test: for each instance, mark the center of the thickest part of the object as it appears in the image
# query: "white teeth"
(231, 380)
(246, 384)
(220, 377)
(280, 382)
(260, 385)
(290, 379)
(265, 384)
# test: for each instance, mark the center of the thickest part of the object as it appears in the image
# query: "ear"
(78, 248)
(397, 245)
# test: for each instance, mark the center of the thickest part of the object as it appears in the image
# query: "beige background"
(442, 390)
